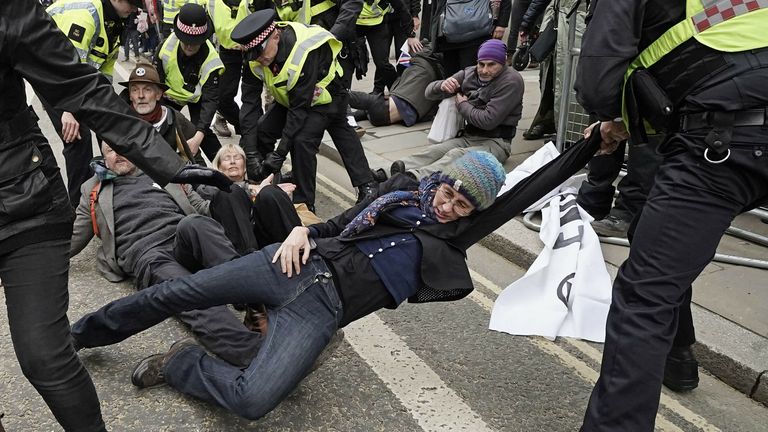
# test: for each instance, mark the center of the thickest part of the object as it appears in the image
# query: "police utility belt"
(647, 102)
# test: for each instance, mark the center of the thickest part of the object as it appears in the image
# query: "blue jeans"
(304, 312)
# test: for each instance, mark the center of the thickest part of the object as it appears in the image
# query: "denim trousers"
(691, 204)
(304, 312)
(35, 279)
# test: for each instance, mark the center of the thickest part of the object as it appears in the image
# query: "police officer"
(339, 18)
(709, 66)
(94, 28)
(36, 217)
(372, 26)
(190, 66)
(171, 8)
(226, 14)
(298, 64)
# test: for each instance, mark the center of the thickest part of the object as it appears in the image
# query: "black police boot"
(367, 191)
(398, 166)
(681, 371)
(379, 175)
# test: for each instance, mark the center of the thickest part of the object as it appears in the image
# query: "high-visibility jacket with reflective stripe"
(83, 23)
(372, 14)
(727, 25)
(303, 13)
(308, 39)
(225, 18)
(171, 9)
(173, 78)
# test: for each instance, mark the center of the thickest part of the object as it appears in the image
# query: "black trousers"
(397, 35)
(378, 37)
(691, 204)
(251, 225)
(200, 242)
(211, 144)
(77, 155)
(37, 299)
(519, 7)
(306, 145)
(234, 70)
(457, 59)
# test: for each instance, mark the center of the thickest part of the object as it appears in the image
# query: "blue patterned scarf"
(421, 198)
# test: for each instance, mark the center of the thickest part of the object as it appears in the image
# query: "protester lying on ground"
(154, 234)
(144, 91)
(489, 96)
(327, 275)
(406, 102)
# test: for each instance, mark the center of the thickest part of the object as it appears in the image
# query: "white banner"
(567, 290)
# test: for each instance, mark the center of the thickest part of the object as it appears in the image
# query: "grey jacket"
(499, 103)
(106, 260)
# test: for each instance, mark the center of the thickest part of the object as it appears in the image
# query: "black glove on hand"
(196, 174)
(272, 163)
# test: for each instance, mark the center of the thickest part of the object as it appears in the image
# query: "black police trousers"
(691, 204)
(378, 38)
(306, 144)
(35, 279)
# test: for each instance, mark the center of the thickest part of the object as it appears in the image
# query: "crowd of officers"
(205, 62)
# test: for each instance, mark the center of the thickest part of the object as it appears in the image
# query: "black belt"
(751, 117)
(15, 127)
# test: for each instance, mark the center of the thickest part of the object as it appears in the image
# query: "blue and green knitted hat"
(478, 176)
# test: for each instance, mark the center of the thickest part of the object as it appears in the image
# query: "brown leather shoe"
(256, 319)
(149, 372)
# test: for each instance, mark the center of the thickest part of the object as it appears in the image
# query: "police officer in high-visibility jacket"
(298, 65)
(94, 28)
(697, 71)
(374, 27)
(338, 17)
(171, 8)
(190, 66)
(226, 14)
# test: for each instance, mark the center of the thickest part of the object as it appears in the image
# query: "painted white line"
(582, 369)
(430, 401)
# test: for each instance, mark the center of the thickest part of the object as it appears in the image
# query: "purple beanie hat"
(493, 49)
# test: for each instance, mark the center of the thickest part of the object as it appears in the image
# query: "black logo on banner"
(564, 289)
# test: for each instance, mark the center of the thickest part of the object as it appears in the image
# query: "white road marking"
(429, 400)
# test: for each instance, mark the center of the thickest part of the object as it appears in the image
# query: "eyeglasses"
(447, 195)
(232, 158)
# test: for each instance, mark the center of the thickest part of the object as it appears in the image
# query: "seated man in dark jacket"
(155, 234)
(329, 274)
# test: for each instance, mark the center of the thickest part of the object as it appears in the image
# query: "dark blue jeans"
(304, 312)
(35, 279)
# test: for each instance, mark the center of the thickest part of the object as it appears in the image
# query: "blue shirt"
(396, 258)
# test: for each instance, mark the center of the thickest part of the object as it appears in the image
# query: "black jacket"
(34, 201)
(443, 267)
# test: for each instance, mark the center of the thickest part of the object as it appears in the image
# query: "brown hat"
(145, 73)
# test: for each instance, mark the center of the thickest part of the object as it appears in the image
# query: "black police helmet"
(192, 25)
(253, 32)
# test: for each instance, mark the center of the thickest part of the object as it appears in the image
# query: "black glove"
(196, 174)
(272, 163)
(253, 166)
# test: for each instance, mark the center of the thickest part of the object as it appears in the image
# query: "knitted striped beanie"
(478, 176)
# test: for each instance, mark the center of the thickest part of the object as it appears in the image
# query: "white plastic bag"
(447, 122)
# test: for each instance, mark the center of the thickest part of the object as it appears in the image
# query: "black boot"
(367, 191)
(681, 371)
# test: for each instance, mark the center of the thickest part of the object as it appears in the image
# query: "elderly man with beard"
(489, 96)
(144, 91)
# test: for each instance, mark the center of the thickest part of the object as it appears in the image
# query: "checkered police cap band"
(193, 30)
(261, 37)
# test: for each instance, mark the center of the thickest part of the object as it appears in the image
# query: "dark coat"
(443, 267)
(34, 200)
